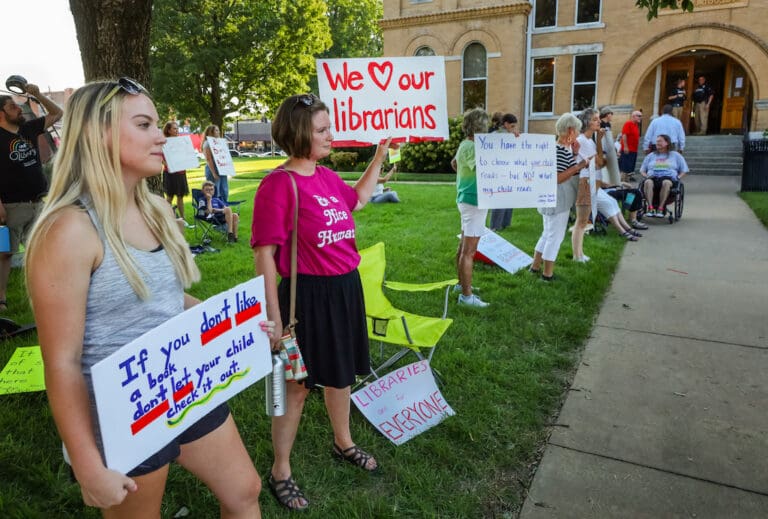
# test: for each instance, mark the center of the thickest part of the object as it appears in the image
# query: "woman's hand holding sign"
(105, 488)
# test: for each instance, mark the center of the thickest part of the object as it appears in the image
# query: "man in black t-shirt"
(22, 183)
(702, 98)
(676, 98)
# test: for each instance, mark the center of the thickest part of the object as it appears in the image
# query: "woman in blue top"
(663, 168)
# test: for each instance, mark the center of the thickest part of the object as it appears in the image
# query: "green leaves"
(211, 58)
(653, 6)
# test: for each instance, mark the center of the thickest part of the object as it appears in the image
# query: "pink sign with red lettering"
(404, 403)
(371, 99)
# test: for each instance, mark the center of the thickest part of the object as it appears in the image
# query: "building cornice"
(456, 16)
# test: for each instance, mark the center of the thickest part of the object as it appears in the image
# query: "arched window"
(474, 76)
(424, 51)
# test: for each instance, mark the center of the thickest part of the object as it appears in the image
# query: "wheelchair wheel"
(679, 201)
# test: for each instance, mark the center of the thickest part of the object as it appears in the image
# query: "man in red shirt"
(630, 139)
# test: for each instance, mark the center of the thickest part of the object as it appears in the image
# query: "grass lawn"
(506, 369)
(758, 202)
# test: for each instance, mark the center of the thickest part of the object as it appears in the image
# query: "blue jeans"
(221, 185)
(500, 219)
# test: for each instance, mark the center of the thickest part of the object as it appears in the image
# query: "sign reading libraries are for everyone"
(371, 99)
(403, 403)
(515, 171)
(155, 387)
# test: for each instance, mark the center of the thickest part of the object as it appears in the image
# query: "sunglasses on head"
(306, 100)
(126, 84)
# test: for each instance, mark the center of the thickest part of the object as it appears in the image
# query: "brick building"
(542, 58)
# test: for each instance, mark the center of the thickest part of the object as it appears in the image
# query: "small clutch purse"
(294, 362)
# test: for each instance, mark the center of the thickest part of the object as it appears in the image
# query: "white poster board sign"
(371, 99)
(404, 403)
(180, 154)
(514, 171)
(222, 158)
(155, 387)
(502, 253)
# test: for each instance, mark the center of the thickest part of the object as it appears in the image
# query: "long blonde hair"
(85, 167)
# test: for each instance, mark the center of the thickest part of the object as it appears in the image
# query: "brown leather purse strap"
(294, 252)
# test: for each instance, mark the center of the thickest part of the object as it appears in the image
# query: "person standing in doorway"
(702, 99)
(22, 183)
(677, 98)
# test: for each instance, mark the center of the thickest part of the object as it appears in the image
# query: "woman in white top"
(588, 149)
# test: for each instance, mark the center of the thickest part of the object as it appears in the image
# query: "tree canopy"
(210, 58)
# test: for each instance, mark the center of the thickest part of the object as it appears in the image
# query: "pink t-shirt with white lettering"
(326, 229)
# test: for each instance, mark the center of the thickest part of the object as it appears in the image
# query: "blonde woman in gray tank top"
(118, 253)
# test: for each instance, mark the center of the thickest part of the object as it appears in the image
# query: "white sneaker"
(661, 213)
(582, 259)
(472, 300)
(188, 225)
(651, 213)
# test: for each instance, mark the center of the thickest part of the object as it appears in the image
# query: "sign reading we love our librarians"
(371, 99)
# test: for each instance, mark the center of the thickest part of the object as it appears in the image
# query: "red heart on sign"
(381, 74)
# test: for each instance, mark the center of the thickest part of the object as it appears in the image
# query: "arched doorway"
(731, 107)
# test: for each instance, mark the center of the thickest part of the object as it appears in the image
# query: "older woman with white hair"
(556, 218)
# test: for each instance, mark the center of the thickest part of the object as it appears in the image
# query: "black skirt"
(175, 184)
(331, 329)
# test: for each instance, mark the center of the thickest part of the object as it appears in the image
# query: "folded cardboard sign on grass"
(403, 403)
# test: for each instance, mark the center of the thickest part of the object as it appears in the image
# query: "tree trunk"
(113, 36)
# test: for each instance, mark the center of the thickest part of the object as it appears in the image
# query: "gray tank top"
(115, 315)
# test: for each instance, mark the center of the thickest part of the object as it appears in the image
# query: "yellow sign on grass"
(24, 372)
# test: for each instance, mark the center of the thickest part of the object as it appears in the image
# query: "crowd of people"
(133, 261)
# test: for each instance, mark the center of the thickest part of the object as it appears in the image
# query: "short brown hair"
(292, 126)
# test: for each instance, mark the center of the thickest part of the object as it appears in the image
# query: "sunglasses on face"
(126, 84)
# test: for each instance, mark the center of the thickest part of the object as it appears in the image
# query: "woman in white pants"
(556, 218)
(609, 207)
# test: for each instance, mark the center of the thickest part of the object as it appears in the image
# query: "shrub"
(343, 160)
(431, 156)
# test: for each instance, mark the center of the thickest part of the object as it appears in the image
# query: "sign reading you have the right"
(515, 171)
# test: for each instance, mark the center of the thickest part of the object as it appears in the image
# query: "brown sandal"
(356, 456)
(287, 492)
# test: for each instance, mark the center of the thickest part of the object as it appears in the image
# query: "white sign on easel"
(180, 154)
(404, 403)
(155, 387)
(221, 156)
(515, 172)
(502, 253)
(371, 99)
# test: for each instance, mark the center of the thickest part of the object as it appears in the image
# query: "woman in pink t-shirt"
(330, 311)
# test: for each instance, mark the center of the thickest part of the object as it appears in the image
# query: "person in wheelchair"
(216, 210)
(662, 170)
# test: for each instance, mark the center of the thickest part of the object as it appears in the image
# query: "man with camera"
(22, 183)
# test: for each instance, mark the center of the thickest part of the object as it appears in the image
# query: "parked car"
(248, 154)
(234, 153)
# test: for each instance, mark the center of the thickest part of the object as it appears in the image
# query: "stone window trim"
(575, 84)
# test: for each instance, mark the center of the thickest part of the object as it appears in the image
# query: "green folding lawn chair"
(390, 325)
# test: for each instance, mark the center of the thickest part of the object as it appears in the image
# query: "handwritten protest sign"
(180, 154)
(371, 99)
(404, 403)
(515, 171)
(158, 385)
(502, 253)
(221, 156)
(24, 372)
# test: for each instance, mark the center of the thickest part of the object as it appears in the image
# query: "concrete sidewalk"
(668, 412)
